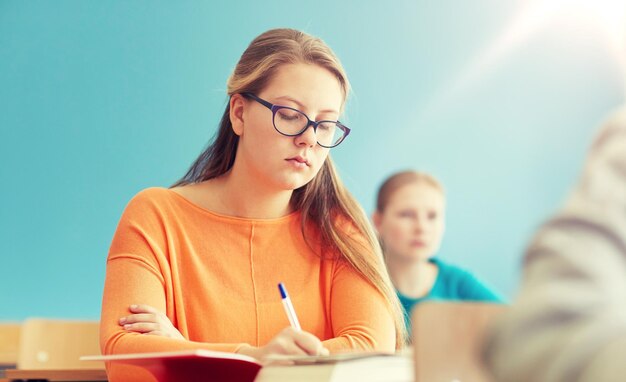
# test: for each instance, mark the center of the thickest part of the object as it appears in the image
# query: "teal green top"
(452, 284)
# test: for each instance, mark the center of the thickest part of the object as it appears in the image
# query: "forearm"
(127, 342)
(360, 340)
(127, 283)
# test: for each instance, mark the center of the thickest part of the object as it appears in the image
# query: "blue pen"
(291, 313)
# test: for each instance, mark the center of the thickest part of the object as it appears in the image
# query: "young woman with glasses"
(197, 265)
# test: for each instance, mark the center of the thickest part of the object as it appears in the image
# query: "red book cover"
(190, 365)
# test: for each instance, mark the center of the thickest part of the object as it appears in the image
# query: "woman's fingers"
(144, 313)
(289, 346)
(143, 308)
(148, 320)
(295, 342)
(142, 317)
(288, 342)
(309, 344)
(142, 327)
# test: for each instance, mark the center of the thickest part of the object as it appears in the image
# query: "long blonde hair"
(324, 201)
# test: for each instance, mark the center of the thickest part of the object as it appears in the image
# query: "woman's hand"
(288, 342)
(147, 320)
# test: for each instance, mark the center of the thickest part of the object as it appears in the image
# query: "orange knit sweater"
(216, 279)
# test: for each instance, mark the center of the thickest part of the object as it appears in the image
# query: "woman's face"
(413, 222)
(274, 160)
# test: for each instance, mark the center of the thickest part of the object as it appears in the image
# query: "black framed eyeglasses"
(292, 122)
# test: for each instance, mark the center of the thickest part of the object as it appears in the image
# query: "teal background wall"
(100, 99)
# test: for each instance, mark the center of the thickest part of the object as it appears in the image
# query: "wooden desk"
(9, 342)
(4, 366)
(85, 375)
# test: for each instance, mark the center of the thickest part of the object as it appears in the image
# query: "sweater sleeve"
(136, 273)
(361, 318)
(568, 323)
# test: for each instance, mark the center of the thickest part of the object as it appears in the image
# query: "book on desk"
(209, 366)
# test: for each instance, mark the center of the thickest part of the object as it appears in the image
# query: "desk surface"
(395, 368)
(92, 375)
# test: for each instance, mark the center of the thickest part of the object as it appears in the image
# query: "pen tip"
(283, 292)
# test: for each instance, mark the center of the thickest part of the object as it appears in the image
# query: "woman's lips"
(297, 164)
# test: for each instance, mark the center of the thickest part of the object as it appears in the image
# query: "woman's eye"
(327, 126)
(289, 115)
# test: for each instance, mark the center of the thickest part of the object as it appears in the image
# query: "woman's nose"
(307, 138)
(418, 225)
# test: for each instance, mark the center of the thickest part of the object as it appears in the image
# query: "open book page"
(361, 367)
(332, 358)
(201, 353)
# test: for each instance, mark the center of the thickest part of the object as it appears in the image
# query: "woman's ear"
(376, 220)
(237, 105)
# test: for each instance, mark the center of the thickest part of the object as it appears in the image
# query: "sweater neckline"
(236, 219)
